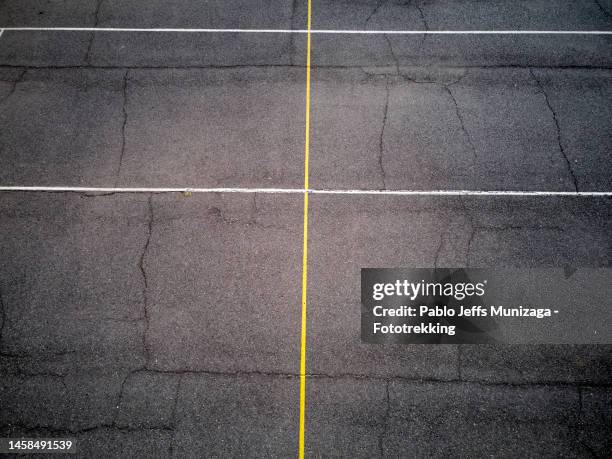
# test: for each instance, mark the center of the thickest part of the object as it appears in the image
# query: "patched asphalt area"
(160, 324)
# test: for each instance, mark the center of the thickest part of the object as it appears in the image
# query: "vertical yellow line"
(305, 247)
(307, 133)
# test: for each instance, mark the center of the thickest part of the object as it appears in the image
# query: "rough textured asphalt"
(162, 324)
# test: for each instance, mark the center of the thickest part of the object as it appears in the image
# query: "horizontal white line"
(313, 31)
(82, 189)
(57, 189)
(463, 193)
(153, 30)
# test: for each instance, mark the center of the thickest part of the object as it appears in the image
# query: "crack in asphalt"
(459, 362)
(558, 128)
(121, 320)
(64, 431)
(375, 10)
(460, 117)
(519, 227)
(125, 120)
(145, 281)
(120, 397)
(89, 194)
(60, 377)
(174, 416)
(589, 449)
(15, 355)
(292, 35)
(173, 427)
(170, 427)
(484, 383)
(360, 376)
(96, 13)
(14, 84)
(443, 235)
(582, 442)
(36, 374)
(434, 82)
(246, 374)
(475, 228)
(220, 215)
(603, 10)
(381, 146)
(468, 249)
(422, 15)
(395, 59)
(423, 20)
(92, 34)
(176, 400)
(4, 317)
(580, 402)
(231, 374)
(385, 423)
(17, 359)
(254, 210)
(472, 227)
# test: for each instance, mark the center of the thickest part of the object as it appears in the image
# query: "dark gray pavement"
(220, 127)
(162, 319)
(160, 325)
(518, 129)
(167, 322)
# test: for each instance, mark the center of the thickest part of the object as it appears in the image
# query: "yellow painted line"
(305, 247)
(303, 345)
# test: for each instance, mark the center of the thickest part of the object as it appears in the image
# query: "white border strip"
(464, 193)
(59, 189)
(1, 32)
(313, 31)
(82, 189)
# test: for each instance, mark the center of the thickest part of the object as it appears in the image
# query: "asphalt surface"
(156, 325)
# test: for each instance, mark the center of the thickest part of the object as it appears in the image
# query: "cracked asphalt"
(168, 325)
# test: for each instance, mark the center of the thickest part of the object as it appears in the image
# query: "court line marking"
(311, 31)
(461, 193)
(1, 32)
(305, 191)
(302, 425)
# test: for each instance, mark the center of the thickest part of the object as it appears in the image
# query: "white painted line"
(82, 189)
(1, 32)
(57, 189)
(463, 193)
(313, 31)
(152, 30)
(465, 32)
